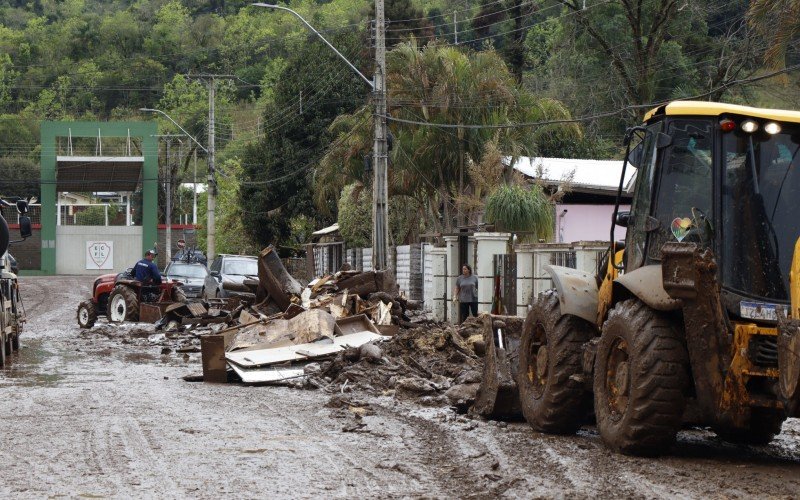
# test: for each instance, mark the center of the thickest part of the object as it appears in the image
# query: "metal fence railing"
(11, 215)
(93, 214)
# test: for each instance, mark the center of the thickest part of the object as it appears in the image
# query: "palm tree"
(778, 21)
(441, 84)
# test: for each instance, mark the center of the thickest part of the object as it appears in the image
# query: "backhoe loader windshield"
(760, 215)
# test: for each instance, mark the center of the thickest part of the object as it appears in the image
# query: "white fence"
(416, 269)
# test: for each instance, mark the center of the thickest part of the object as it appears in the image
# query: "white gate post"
(524, 278)
(489, 245)
(439, 288)
(453, 270)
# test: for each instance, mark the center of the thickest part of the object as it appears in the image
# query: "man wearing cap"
(146, 270)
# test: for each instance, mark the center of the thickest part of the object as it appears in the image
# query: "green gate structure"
(61, 173)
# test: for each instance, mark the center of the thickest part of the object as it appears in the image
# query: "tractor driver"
(146, 270)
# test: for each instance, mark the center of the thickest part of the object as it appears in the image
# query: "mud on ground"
(108, 415)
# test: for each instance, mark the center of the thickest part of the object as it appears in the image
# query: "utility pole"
(194, 194)
(168, 191)
(212, 181)
(455, 25)
(211, 216)
(168, 210)
(380, 192)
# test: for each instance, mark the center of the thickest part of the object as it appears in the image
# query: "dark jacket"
(147, 272)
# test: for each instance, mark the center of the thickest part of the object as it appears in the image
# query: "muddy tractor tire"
(87, 314)
(123, 305)
(179, 295)
(763, 427)
(552, 391)
(641, 377)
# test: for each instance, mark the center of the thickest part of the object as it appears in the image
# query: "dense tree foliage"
(314, 88)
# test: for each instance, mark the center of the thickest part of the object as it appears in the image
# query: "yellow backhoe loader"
(696, 317)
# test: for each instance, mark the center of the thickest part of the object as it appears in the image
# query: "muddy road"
(93, 415)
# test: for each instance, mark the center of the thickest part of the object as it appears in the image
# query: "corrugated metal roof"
(595, 175)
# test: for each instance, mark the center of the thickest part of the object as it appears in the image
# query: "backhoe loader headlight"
(772, 128)
(749, 126)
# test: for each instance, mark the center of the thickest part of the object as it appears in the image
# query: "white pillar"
(587, 254)
(489, 245)
(128, 210)
(524, 278)
(453, 270)
(439, 286)
(58, 209)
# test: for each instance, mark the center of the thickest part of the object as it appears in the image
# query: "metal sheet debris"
(267, 375)
(266, 357)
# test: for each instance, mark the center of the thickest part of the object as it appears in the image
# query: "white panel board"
(265, 375)
(326, 347)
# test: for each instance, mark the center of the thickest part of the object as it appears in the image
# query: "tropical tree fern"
(521, 209)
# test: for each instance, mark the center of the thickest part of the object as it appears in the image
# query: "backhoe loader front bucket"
(498, 396)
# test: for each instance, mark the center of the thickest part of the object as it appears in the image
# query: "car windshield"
(187, 271)
(240, 267)
(760, 226)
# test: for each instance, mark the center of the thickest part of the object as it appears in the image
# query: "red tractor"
(118, 296)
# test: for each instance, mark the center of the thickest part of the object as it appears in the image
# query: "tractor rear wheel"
(763, 427)
(552, 392)
(641, 376)
(123, 305)
(87, 314)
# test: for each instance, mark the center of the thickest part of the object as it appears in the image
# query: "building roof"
(326, 230)
(702, 108)
(598, 176)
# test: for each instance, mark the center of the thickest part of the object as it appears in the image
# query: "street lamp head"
(266, 5)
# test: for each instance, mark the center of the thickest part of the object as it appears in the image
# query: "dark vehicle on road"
(227, 274)
(192, 275)
(12, 313)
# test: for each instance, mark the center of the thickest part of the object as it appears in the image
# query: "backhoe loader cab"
(702, 308)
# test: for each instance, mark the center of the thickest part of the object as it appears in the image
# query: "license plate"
(758, 311)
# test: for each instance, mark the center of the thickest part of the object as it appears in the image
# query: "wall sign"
(99, 255)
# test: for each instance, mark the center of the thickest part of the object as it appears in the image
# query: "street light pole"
(380, 219)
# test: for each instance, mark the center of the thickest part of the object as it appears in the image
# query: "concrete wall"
(409, 270)
(586, 223)
(71, 247)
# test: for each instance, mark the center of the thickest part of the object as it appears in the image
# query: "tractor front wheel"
(123, 305)
(87, 314)
(551, 388)
(641, 376)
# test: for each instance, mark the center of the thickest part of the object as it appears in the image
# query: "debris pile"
(434, 364)
(278, 327)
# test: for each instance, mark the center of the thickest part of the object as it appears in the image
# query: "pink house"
(585, 211)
